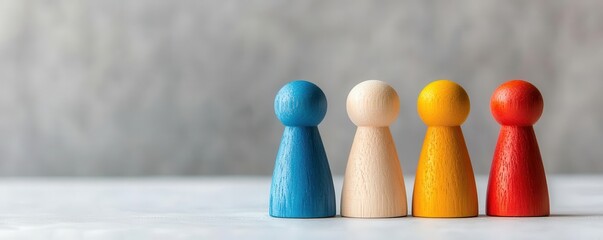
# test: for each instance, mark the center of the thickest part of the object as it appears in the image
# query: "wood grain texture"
(302, 185)
(373, 184)
(373, 103)
(444, 183)
(517, 185)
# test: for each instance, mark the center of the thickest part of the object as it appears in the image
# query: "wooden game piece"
(517, 185)
(444, 183)
(302, 185)
(373, 185)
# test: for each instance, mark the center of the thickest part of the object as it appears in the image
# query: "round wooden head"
(373, 103)
(443, 103)
(300, 103)
(516, 103)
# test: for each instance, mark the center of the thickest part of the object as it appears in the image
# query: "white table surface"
(236, 207)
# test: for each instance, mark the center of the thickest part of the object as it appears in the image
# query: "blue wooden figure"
(302, 185)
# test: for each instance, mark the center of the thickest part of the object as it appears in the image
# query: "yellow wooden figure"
(444, 183)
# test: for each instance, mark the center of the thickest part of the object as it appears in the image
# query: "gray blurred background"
(141, 87)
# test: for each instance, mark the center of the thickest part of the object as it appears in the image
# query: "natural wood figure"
(373, 186)
(444, 183)
(302, 185)
(517, 185)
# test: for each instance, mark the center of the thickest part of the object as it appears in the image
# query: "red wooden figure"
(517, 185)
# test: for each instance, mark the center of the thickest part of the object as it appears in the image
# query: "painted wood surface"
(517, 185)
(444, 183)
(302, 185)
(373, 184)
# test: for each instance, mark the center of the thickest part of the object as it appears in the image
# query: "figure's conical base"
(517, 186)
(373, 185)
(302, 185)
(445, 184)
